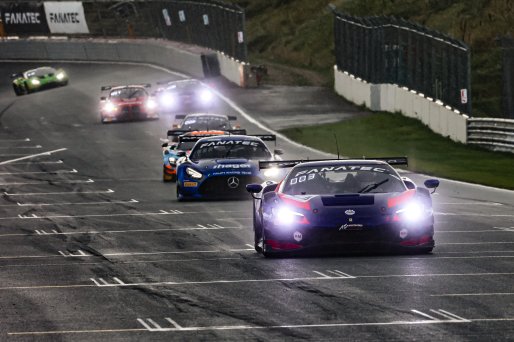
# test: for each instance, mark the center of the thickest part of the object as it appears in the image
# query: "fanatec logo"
(349, 212)
(233, 182)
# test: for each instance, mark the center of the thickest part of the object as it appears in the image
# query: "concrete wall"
(392, 98)
(172, 55)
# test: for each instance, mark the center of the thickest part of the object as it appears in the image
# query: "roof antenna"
(337, 146)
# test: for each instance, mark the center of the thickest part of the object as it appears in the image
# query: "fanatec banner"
(23, 18)
(65, 17)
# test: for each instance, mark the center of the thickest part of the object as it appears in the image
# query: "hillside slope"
(295, 37)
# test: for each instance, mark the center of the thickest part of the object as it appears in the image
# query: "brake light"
(295, 202)
(400, 199)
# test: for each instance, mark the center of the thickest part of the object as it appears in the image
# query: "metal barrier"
(211, 24)
(494, 134)
(389, 50)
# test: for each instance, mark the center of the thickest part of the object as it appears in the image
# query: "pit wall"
(392, 98)
(185, 58)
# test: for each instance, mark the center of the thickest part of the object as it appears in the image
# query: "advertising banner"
(65, 17)
(23, 18)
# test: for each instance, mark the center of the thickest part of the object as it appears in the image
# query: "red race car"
(127, 103)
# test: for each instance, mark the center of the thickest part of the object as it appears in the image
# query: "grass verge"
(386, 134)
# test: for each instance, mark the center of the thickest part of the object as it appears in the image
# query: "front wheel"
(17, 90)
(180, 198)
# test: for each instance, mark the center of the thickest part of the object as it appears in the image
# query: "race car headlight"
(413, 212)
(206, 96)
(272, 172)
(110, 107)
(172, 160)
(193, 173)
(60, 76)
(285, 216)
(167, 99)
(35, 81)
(151, 104)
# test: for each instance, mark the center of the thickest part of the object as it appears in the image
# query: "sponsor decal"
(342, 168)
(404, 233)
(349, 212)
(167, 17)
(190, 184)
(232, 166)
(23, 18)
(302, 179)
(351, 226)
(65, 17)
(297, 236)
(233, 182)
(229, 143)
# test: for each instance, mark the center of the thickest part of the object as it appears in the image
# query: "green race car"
(37, 79)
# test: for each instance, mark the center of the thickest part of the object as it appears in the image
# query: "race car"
(184, 96)
(127, 102)
(220, 167)
(342, 206)
(185, 140)
(206, 122)
(37, 79)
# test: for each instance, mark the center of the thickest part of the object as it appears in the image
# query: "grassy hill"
(295, 38)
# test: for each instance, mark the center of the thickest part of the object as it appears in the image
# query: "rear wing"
(281, 164)
(265, 137)
(109, 87)
(179, 132)
(191, 138)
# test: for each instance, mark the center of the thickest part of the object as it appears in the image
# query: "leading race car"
(37, 79)
(127, 102)
(185, 140)
(342, 205)
(184, 96)
(220, 167)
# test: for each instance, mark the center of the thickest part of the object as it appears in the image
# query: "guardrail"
(494, 134)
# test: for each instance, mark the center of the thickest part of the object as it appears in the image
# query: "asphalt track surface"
(95, 247)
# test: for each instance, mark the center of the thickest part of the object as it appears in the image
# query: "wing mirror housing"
(181, 154)
(431, 184)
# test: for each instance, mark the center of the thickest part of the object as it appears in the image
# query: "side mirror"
(278, 152)
(15, 75)
(103, 98)
(253, 188)
(181, 153)
(431, 184)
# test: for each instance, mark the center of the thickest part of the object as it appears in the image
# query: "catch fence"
(391, 50)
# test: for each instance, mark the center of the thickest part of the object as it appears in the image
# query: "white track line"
(108, 191)
(48, 153)
(74, 203)
(49, 182)
(39, 172)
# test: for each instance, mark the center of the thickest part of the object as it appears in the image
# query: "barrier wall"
(392, 98)
(163, 53)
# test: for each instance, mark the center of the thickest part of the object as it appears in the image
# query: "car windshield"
(341, 179)
(128, 93)
(185, 145)
(205, 123)
(40, 72)
(220, 149)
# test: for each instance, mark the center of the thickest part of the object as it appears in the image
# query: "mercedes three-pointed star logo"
(233, 182)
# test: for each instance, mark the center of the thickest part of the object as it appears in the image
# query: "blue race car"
(182, 141)
(342, 205)
(220, 167)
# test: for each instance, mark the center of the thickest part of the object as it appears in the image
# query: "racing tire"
(425, 250)
(168, 178)
(180, 198)
(257, 236)
(17, 90)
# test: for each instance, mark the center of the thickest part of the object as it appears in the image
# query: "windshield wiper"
(372, 186)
